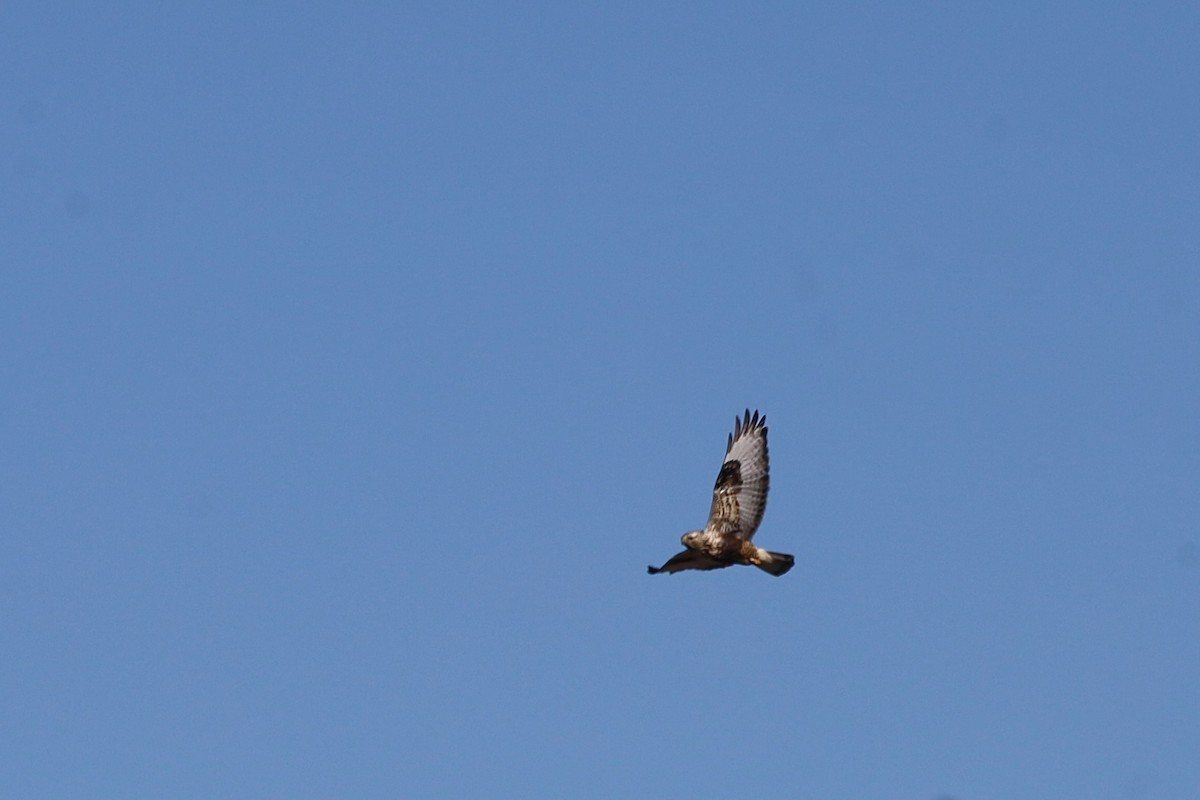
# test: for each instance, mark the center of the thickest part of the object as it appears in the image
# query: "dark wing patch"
(729, 476)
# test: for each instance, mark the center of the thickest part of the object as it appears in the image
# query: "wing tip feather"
(745, 424)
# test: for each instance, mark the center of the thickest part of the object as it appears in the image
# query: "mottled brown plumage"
(739, 500)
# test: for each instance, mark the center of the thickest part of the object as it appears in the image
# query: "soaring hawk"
(739, 500)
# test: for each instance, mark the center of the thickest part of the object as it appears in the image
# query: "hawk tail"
(777, 563)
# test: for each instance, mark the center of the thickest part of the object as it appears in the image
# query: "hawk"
(739, 500)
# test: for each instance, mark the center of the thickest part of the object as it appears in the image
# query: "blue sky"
(357, 361)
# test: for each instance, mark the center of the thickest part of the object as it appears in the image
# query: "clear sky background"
(357, 359)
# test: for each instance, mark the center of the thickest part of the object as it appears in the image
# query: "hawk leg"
(750, 553)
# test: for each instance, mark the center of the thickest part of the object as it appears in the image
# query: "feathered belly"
(727, 548)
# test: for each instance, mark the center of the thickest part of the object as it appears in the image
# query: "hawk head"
(704, 542)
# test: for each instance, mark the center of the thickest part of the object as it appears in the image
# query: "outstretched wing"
(740, 494)
(688, 559)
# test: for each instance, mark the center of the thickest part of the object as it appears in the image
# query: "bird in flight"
(739, 500)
